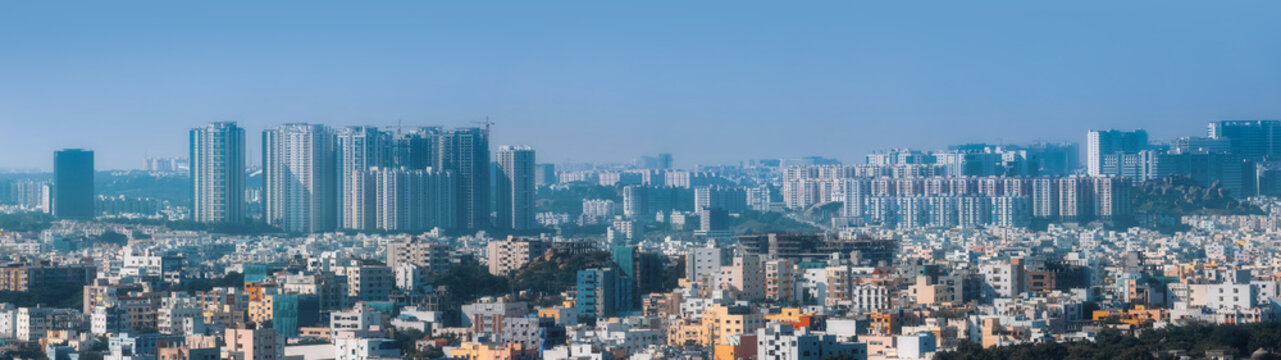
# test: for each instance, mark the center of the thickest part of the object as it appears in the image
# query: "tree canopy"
(1244, 340)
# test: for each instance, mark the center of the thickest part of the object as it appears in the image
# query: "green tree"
(1111, 344)
(62, 296)
(24, 222)
(557, 273)
(469, 281)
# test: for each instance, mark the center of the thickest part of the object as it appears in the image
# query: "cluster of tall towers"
(317, 178)
(1241, 156)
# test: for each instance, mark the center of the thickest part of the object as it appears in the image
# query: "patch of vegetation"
(372, 262)
(469, 281)
(544, 279)
(408, 342)
(1154, 344)
(253, 228)
(775, 193)
(24, 222)
(672, 275)
(824, 212)
(1158, 204)
(58, 296)
(113, 238)
(569, 199)
(557, 273)
(755, 222)
(24, 351)
(572, 230)
(489, 230)
(174, 188)
(234, 279)
(1180, 195)
(1067, 277)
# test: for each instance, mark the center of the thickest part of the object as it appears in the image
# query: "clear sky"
(709, 81)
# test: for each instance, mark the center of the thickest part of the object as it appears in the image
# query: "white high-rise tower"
(300, 187)
(515, 188)
(359, 149)
(218, 173)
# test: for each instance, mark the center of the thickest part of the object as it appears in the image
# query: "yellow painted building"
(685, 334)
(1138, 315)
(260, 310)
(717, 325)
(478, 351)
(786, 314)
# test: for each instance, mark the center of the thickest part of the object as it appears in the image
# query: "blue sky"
(709, 81)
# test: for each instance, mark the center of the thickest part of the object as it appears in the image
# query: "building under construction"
(818, 247)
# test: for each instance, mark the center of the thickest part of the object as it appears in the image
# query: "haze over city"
(574, 180)
(712, 82)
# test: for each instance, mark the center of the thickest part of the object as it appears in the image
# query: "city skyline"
(563, 180)
(849, 80)
(360, 178)
(179, 163)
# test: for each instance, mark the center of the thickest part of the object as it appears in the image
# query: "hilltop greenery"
(543, 279)
(1160, 203)
(469, 280)
(1181, 195)
(755, 222)
(569, 198)
(557, 273)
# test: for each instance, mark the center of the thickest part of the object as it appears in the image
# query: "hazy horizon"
(710, 83)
